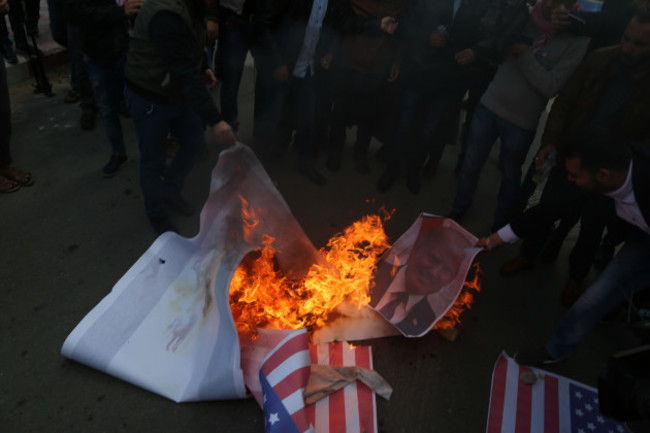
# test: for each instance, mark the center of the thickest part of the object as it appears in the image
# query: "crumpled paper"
(326, 379)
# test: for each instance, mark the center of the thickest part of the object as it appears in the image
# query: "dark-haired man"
(166, 80)
(611, 88)
(599, 163)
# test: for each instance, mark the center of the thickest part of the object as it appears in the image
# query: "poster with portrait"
(419, 278)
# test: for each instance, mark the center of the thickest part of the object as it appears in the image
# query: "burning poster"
(413, 286)
(167, 326)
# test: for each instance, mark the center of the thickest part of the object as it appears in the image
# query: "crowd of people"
(401, 71)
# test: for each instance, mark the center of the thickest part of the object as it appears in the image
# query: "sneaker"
(114, 164)
(163, 224)
(176, 203)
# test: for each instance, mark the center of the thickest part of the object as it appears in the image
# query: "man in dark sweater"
(166, 78)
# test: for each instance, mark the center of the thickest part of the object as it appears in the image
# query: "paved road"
(67, 239)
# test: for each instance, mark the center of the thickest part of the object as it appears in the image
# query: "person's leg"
(304, 110)
(483, 132)
(108, 85)
(32, 15)
(234, 35)
(17, 21)
(5, 118)
(81, 80)
(58, 26)
(627, 274)
(151, 123)
(515, 143)
(189, 128)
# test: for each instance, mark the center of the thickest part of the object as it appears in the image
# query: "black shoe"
(309, 171)
(176, 203)
(162, 224)
(604, 255)
(387, 179)
(334, 160)
(114, 164)
(413, 181)
(361, 162)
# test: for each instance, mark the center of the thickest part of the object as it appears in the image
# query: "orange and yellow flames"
(463, 302)
(261, 296)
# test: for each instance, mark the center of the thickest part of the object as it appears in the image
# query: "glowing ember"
(261, 296)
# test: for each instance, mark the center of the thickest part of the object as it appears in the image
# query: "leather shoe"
(572, 291)
(309, 171)
(515, 266)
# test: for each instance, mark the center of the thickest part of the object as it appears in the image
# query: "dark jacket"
(103, 26)
(418, 319)
(438, 65)
(579, 99)
(280, 29)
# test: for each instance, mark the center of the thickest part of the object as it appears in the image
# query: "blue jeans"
(236, 38)
(152, 123)
(627, 274)
(486, 127)
(419, 101)
(107, 81)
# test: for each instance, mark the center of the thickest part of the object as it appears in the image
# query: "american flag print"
(284, 374)
(351, 409)
(552, 404)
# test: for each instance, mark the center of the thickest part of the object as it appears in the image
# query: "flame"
(261, 296)
(463, 302)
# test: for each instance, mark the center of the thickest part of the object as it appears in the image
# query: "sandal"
(7, 185)
(22, 178)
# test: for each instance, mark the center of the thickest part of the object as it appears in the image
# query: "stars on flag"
(274, 418)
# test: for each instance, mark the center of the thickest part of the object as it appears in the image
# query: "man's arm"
(548, 82)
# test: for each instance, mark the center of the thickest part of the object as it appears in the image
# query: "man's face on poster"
(433, 263)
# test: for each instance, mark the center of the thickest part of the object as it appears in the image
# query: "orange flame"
(261, 296)
(463, 302)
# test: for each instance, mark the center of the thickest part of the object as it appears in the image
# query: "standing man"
(103, 28)
(599, 163)
(535, 70)
(166, 80)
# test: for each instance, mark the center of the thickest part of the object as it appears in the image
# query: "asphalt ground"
(67, 239)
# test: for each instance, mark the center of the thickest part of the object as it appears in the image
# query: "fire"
(463, 302)
(261, 296)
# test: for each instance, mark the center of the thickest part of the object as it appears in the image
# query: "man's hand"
(224, 134)
(4, 7)
(560, 18)
(518, 49)
(132, 7)
(394, 72)
(489, 243)
(389, 25)
(281, 74)
(465, 57)
(438, 39)
(208, 78)
(543, 154)
(213, 31)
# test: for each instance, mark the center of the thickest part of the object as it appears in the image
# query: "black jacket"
(104, 28)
